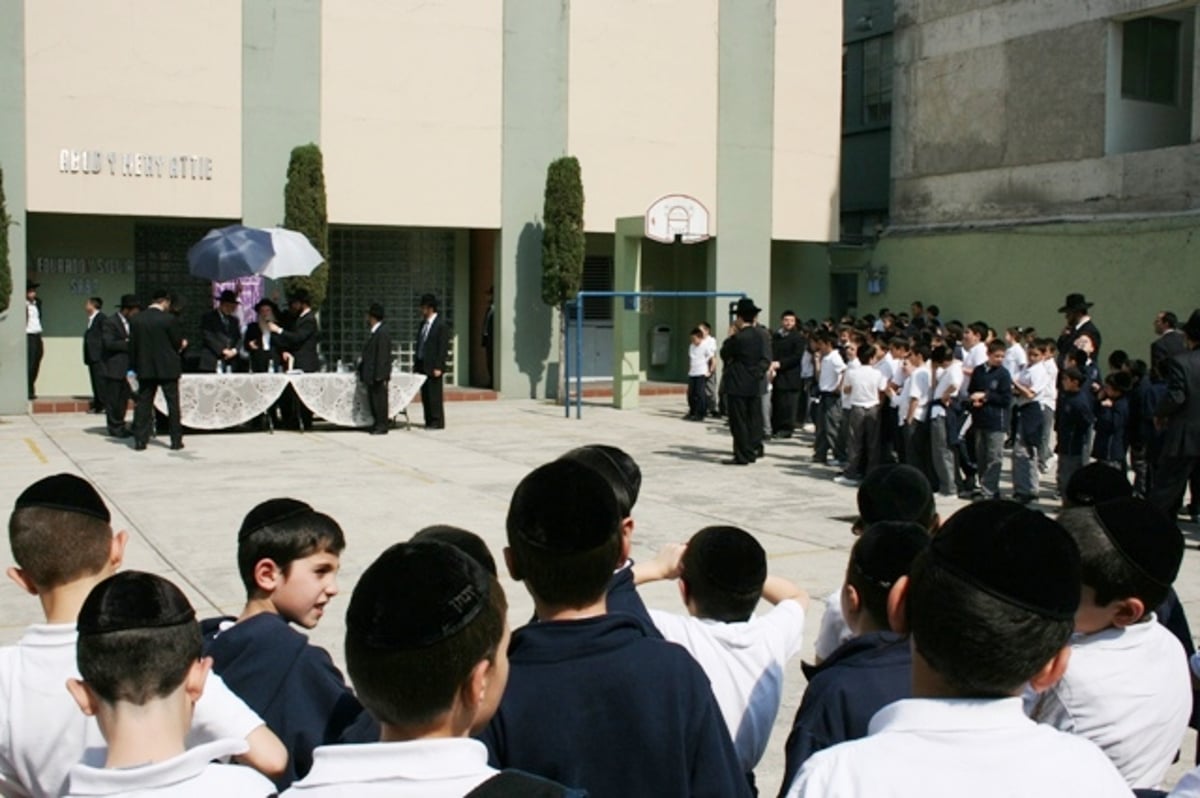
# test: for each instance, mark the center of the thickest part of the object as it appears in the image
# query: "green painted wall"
(12, 161)
(673, 267)
(799, 279)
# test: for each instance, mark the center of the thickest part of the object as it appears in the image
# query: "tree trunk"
(562, 353)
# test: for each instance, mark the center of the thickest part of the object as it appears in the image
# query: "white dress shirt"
(949, 378)
(447, 767)
(192, 774)
(830, 372)
(33, 319)
(865, 383)
(918, 387)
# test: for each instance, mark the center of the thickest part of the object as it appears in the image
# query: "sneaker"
(838, 463)
(849, 482)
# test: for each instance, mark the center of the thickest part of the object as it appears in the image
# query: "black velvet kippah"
(895, 492)
(465, 541)
(1016, 555)
(1095, 483)
(415, 595)
(64, 492)
(886, 550)
(565, 507)
(605, 459)
(133, 600)
(1149, 540)
(731, 558)
(272, 511)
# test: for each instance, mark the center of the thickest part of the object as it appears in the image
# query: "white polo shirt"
(851, 367)
(1188, 786)
(830, 371)
(918, 386)
(1036, 378)
(975, 357)
(447, 767)
(981, 748)
(865, 383)
(698, 356)
(1130, 692)
(949, 379)
(192, 774)
(43, 732)
(745, 663)
(1015, 359)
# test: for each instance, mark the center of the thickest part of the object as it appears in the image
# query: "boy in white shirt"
(914, 409)
(1128, 687)
(861, 388)
(829, 408)
(1031, 385)
(722, 574)
(945, 417)
(139, 655)
(892, 367)
(699, 366)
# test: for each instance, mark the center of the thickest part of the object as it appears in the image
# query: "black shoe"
(379, 432)
(1024, 498)
(139, 447)
(735, 461)
(176, 446)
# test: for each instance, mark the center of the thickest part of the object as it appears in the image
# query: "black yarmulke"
(886, 550)
(272, 511)
(731, 558)
(1145, 537)
(614, 464)
(464, 540)
(895, 492)
(133, 600)
(564, 507)
(1013, 554)
(415, 595)
(64, 492)
(1095, 483)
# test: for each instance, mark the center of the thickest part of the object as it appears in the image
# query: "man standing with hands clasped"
(433, 346)
(375, 369)
(747, 356)
(155, 341)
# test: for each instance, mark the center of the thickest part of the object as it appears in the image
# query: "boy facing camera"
(990, 606)
(592, 700)
(139, 656)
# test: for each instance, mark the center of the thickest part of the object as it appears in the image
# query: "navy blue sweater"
(1112, 424)
(996, 383)
(1076, 414)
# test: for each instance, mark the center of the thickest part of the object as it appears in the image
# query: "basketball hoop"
(677, 217)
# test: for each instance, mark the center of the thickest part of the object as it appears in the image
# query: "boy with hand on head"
(63, 543)
(990, 392)
(288, 557)
(1112, 421)
(722, 573)
(139, 656)
(592, 700)
(990, 605)
(1128, 688)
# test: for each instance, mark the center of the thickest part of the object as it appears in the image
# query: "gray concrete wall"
(12, 161)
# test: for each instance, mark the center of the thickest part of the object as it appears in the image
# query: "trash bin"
(660, 345)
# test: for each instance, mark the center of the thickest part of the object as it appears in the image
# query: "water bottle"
(341, 368)
(271, 367)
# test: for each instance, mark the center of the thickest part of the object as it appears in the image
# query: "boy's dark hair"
(421, 617)
(941, 354)
(921, 350)
(696, 333)
(900, 342)
(1073, 373)
(933, 310)
(993, 598)
(724, 568)
(1119, 381)
(996, 346)
(464, 540)
(138, 637)
(59, 531)
(979, 328)
(1137, 369)
(1117, 359)
(866, 352)
(880, 556)
(283, 531)
(564, 529)
(97, 302)
(616, 466)
(1128, 549)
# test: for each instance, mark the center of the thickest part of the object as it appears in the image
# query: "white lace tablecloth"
(342, 399)
(218, 401)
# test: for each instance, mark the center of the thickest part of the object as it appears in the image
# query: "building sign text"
(135, 164)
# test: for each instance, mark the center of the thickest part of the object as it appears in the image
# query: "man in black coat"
(433, 348)
(1179, 414)
(115, 365)
(93, 351)
(747, 356)
(300, 340)
(787, 353)
(221, 331)
(375, 369)
(263, 347)
(1170, 340)
(155, 341)
(1075, 308)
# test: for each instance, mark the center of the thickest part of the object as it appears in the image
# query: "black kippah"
(731, 558)
(1147, 539)
(886, 550)
(133, 600)
(565, 507)
(464, 540)
(415, 595)
(1095, 483)
(1013, 554)
(272, 511)
(64, 492)
(895, 492)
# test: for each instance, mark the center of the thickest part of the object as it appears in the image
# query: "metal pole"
(566, 360)
(578, 359)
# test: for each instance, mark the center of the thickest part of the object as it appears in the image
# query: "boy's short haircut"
(1117, 359)
(696, 333)
(724, 568)
(1119, 381)
(921, 350)
(979, 328)
(941, 354)
(997, 346)
(1073, 373)
(1095, 483)
(138, 637)
(464, 540)
(900, 342)
(564, 529)
(882, 555)
(60, 531)
(933, 310)
(866, 353)
(617, 467)
(993, 598)
(1128, 549)
(283, 531)
(421, 617)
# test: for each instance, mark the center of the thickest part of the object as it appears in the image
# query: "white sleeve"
(786, 621)
(221, 715)
(833, 631)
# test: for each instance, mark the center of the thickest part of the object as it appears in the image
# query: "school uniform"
(889, 423)
(1028, 414)
(973, 359)
(1049, 402)
(192, 774)
(983, 748)
(1128, 691)
(43, 733)
(711, 398)
(829, 407)
(918, 388)
(293, 686)
(833, 631)
(698, 357)
(1076, 413)
(596, 704)
(844, 692)
(989, 421)
(624, 597)
(744, 663)
(864, 384)
(1108, 442)
(1015, 360)
(944, 422)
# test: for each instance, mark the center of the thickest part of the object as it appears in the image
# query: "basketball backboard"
(677, 216)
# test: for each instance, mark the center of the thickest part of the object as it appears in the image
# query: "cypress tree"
(304, 211)
(6, 284)
(563, 246)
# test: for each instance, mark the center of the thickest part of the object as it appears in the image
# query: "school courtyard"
(182, 509)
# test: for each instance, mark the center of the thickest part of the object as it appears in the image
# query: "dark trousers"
(697, 396)
(710, 394)
(143, 411)
(1171, 477)
(829, 427)
(33, 353)
(116, 403)
(377, 398)
(917, 447)
(889, 431)
(862, 448)
(746, 424)
(96, 375)
(431, 398)
(784, 405)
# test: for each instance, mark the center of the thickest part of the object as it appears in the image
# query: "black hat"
(64, 492)
(300, 295)
(1192, 328)
(160, 294)
(266, 303)
(746, 307)
(1144, 535)
(564, 507)
(31, 285)
(229, 296)
(1074, 302)
(375, 311)
(133, 600)
(895, 492)
(415, 595)
(272, 511)
(1013, 554)
(616, 466)
(130, 301)
(733, 560)
(886, 550)
(465, 541)
(1094, 483)
(428, 301)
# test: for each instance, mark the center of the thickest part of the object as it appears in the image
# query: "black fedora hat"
(130, 301)
(1192, 328)
(746, 307)
(1075, 302)
(229, 296)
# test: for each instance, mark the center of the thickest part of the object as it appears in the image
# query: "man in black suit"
(300, 341)
(747, 356)
(93, 351)
(433, 348)
(155, 341)
(1170, 340)
(1075, 308)
(375, 369)
(34, 321)
(1179, 415)
(787, 353)
(115, 365)
(263, 347)
(221, 331)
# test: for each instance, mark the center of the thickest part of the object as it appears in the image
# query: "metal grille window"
(597, 276)
(160, 261)
(1150, 60)
(877, 80)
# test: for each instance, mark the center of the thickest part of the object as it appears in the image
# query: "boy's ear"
(267, 575)
(626, 544)
(851, 600)
(1052, 671)
(897, 606)
(22, 580)
(197, 675)
(510, 561)
(474, 689)
(116, 551)
(89, 702)
(1128, 612)
(627, 532)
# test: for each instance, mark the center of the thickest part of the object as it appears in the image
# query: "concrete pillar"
(627, 323)
(13, 385)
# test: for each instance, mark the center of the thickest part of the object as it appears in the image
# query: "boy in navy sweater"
(1076, 414)
(990, 393)
(1112, 421)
